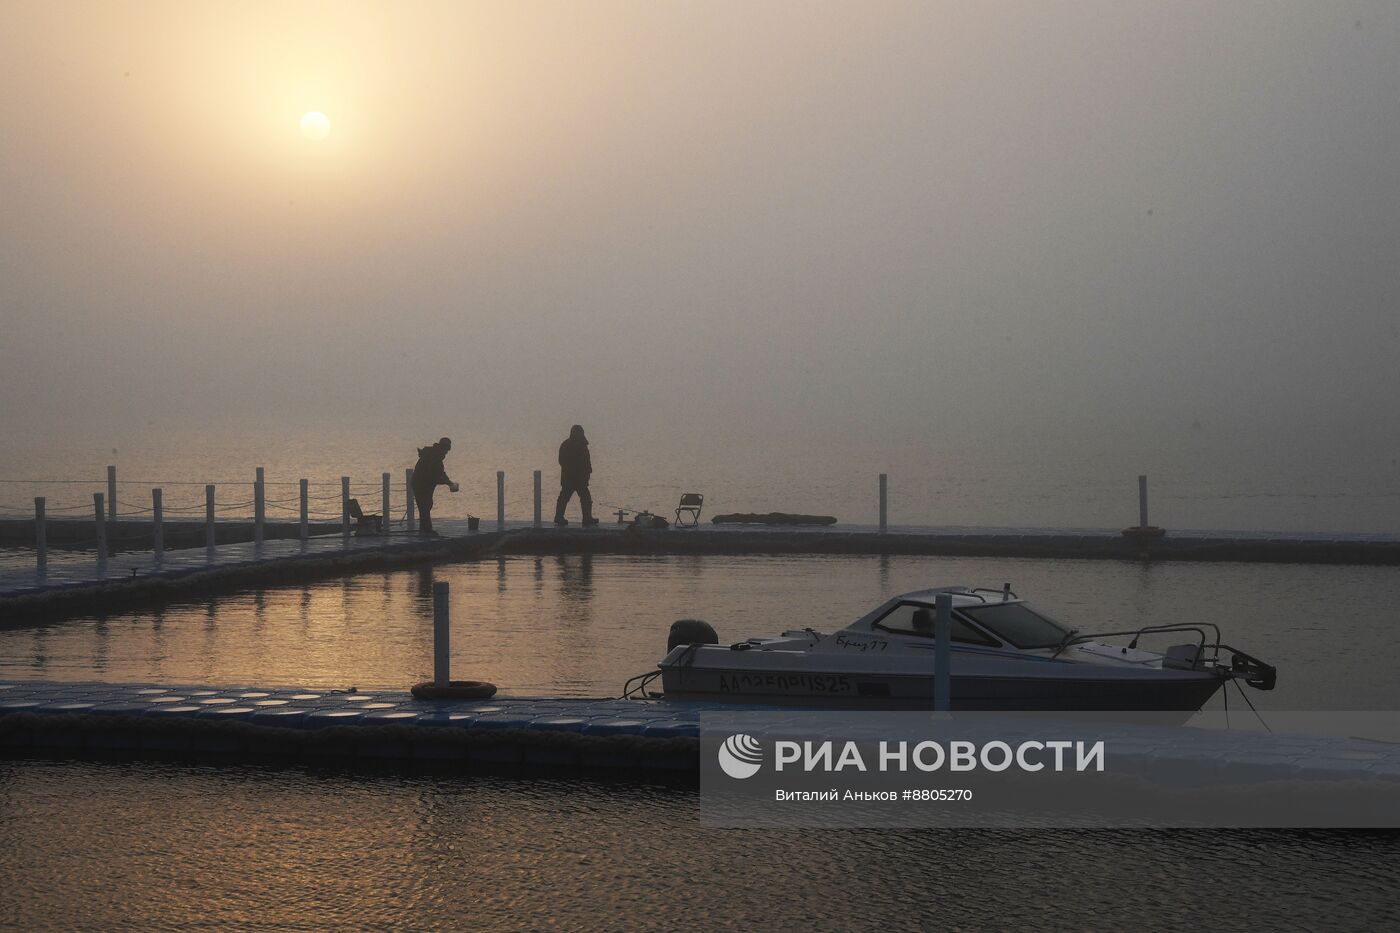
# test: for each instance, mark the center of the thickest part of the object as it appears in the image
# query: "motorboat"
(1002, 654)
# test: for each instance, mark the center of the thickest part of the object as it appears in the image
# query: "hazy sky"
(852, 218)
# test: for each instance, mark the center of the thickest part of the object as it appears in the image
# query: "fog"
(790, 219)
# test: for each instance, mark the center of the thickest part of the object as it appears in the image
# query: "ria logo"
(741, 756)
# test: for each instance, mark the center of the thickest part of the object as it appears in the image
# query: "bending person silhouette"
(575, 468)
(428, 474)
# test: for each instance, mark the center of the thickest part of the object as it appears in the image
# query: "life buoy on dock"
(455, 690)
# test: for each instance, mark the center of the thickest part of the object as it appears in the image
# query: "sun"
(315, 125)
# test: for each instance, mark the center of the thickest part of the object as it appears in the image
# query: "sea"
(150, 844)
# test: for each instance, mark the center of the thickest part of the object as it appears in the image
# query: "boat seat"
(365, 524)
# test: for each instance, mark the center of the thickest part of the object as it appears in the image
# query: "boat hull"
(1174, 691)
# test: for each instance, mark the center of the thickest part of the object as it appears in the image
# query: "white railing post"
(259, 508)
(101, 527)
(41, 537)
(209, 540)
(942, 652)
(411, 504)
(385, 514)
(884, 502)
(157, 525)
(345, 506)
(539, 499)
(500, 500)
(442, 637)
(304, 528)
(112, 496)
(1142, 501)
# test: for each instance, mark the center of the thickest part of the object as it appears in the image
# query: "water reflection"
(582, 624)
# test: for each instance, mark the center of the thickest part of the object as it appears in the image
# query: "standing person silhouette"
(575, 467)
(428, 474)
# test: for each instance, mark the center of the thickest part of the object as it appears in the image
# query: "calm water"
(163, 845)
(581, 625)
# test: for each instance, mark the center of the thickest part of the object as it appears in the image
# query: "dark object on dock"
(772, 518)
(365, 524)
(455, 690)
(691, 504)
(1144, 532)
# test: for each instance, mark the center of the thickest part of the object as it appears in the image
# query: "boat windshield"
(1018, 624)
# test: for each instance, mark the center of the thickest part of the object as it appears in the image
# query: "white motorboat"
(1002, 653)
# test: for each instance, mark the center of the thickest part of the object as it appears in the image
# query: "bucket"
(473, 523)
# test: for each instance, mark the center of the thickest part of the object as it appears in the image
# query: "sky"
(812, 220)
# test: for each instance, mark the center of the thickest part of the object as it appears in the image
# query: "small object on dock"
(621, 514)
(455, 690)
(1142, 532)
(772, 518)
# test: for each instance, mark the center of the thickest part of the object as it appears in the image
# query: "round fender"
(455, 690)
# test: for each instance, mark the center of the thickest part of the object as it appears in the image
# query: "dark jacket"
(575, 466)
(429, 472)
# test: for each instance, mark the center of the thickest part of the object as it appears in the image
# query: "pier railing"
(120, 518)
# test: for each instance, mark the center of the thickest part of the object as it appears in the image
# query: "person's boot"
(560, 520)
(589, 520)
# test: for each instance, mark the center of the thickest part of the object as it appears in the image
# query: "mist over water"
(1080, 240)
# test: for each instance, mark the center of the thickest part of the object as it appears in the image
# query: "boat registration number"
(785, 683)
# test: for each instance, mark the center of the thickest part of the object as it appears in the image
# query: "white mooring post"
(884, 502)
(41, 537)
(157, 525)
(500, 500)
(209, 518)
(345, 506)
(384, 528)
(410, 520)
(259, 508)
(1142, 501)
(442, 637)
(101, 526)
(112, 496)
(539, 499)
(304, 526)
(942, 652)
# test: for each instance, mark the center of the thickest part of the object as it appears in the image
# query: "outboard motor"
(691, 632)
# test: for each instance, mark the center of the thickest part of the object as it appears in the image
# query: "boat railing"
(1203, 645)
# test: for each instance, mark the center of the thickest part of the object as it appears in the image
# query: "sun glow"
(315, 125)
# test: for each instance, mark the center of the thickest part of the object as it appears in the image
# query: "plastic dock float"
(301, 722)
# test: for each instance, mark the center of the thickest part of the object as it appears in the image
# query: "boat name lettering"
(861, 644)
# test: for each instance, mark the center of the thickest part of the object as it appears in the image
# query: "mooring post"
(345, 506)
(157, 526)
(384, 528)
(884, 502)
(259, 508)
(442, 637)
(942, 652)
(500, 500)
(112, 496)
(41, 537)
(209, 517)
(304, 527)
(101, 528)
(1142, 501)
(539, 499)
